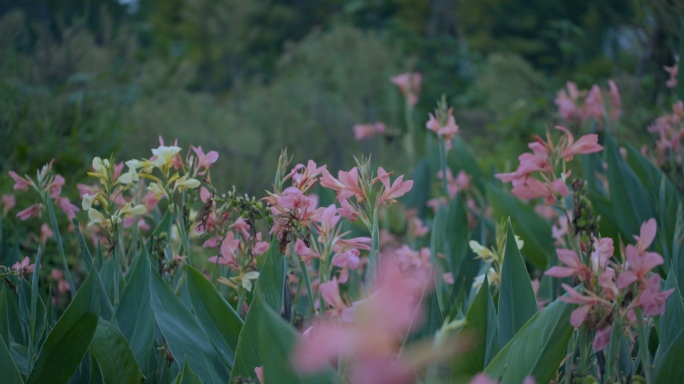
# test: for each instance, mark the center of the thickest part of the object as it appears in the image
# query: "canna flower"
(615, 101)
(204, 162)
(96, 217)
(23, 267)
(389, 194)
(673, 71)
(482, 252)
(185, 183)
(227, 252)
(247, 278)
(260, 374)
(132, 175)
(534, 189)
(8, 202)
(163, 156)
(454, 185)
(409, 85)
(445, 132)
(574, 266)
(585, 145)
(646, 235)
(65, 205)
(367, 131)
(55, 187)
(304, 177)
(347, 184)
(88, 201)
(36, 210)
(639, 265)
(101, 168)
(330, 292)
(601, 339)
(586, 303)
(651, 299)
(21, 183)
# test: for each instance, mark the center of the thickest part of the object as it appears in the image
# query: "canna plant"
(574, 275)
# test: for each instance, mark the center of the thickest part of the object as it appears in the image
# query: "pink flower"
(204, 162)
(367, 131)
(603, 251)
(538, 161)
(409, 84)
(7, 202)
(673, 71)
(534, 189)
(305, 252)
(445, 132)
(346, 260)
(482, 378)
(65, 205)
(346, 186)
(601, 339)
(578, 315)
(330, 292)
(575, 267)
(585, 145)
(36, 210)
(260, 374)
(615, 101)
(45, 233)
(416, 228)
(566, 102)
(20, 183)
(651, 299)
(260, 247)
(448, 278)
(646, 235)
(389, 193)
(593, 104)
(24, 267)
(639, 265)
(304, 177)
(55, 187)
(454, 185)
(227, 251)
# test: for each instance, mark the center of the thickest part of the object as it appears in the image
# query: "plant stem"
(442, 160)
(58, 240)
(307, 283)
(613, 349)
(643, 346)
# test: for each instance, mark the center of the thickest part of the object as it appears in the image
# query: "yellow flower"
(131, 175)
(164, 156)
(96, 217)
(184, 182)
(484, 253)
(101, 168)
(247, 280)
(88, 201)
(128, 209)
(157, 190)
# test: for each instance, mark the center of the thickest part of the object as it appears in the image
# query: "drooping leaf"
(670, 322)
(270, 286)
(10, 373)
(480, 331)
(134, 315)
(517, 303)
(218, 319)
(184, 335)
(69, 340)
(114, 356)
(537, 349)
(535, 231)
(626, 191)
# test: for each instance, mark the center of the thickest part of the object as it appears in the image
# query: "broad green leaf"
(626, 192)
(463, 158)
(464, 265)
(537, 349)
(669, 367)
(270, 285)
(535, 231)
(218, 319)
(10, 373)
(14, 321)
(4, 321)
(95, 372)
(25, 295)
(188, 376)
(69, 340)
(420, 193)
(113, 355)
(276, 340)
(184, 335)
(671, 322)
(164, 224)
(517, 303)
(106, 307)
(134, 315)
(439, 245)
(480, 330)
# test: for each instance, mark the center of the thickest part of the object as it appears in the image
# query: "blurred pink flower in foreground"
(409, 85)
(7, 202)
(371, 331)
(367, 131)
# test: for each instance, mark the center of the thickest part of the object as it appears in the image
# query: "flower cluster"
(443, 124)
(548, 161)
(611, 290)
(48, 185)
(577, 105)
(670, 131)
(367, 131)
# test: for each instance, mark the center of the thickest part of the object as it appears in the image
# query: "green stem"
(241, 300)
(442, 160)
(375, 238)
(613, 349)
(307, 283)
(410, 141)
(584, 351)
(34, 302)
(58, 240)
(643, 346)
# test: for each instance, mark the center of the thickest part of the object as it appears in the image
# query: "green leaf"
(188, 376)
(218, 319)
(420, 193)
(10, 373)
(669, 367)
(276, 340)
(69, 340)
(25, 295)
(14, 321)
(535, 231)
(114, 356)
(464, 265)
(4, 320)
(671, 322)
(626, 191)
(270, 285)
(106, 307)
(134, 316)
(481, 331)
(184, 335)
(517, 303)
(463, 158)
(164, 224)
(537, 349)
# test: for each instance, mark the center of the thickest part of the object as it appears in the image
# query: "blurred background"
(82, 78)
